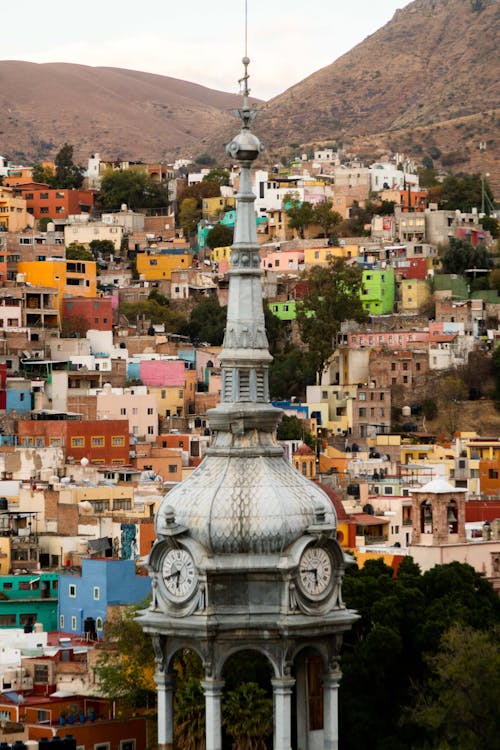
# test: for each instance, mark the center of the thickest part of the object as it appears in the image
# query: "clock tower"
(246, 555)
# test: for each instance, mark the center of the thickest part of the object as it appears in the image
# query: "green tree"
(461, 255)
(207, 322)
(44, 175)
(102, 247)
(333, 296)
(219, 236)
(300, 216)
(360, 216)
(248, 716)
(68, 174)
(189, 712)
(293, 428)
(402, 620)
(463, 192)
(490, 224)
(326, 217)
(198, 191)
(290, 373)
(126, 664)
(75, 251)
(132, 187)
(189, 216)
(155, 312)
(219, 176)
(458, 704)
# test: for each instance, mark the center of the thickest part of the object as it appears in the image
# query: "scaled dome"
(252, 505)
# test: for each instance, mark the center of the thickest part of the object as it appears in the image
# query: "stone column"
(282, 698)
(165, 689)
(330, 710)
(213, 715)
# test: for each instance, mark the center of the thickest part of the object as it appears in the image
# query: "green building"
(30, 598)
(378, 291)
(284, 310)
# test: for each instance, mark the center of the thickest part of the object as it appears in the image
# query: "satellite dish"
(85, 506)
(84, 461)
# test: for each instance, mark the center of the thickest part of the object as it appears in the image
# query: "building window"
(72, 590)
(98, 623)
(150, 409)
(78, 442)
(362, 396)
(41, 673)
(172, 469)
(97, 441)
(127, 744)
(100, 506)
(96, 593)
(151, 429)
(61, 622)
(56, 442)
(362, 412)
(73, 622)
(122, 503)
(123, 411)
(6, 620)
(117, 441)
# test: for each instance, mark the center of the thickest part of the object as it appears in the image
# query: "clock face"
(179, 574)
(315, 572)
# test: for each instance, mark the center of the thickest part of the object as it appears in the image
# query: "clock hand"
(310, 570)
(174, 575)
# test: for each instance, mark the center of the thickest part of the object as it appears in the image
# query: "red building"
(50, 203)
(412, 268)
(103, 441)
(88, 313)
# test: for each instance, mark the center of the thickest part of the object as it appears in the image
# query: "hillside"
(428, 82)
(119, 113)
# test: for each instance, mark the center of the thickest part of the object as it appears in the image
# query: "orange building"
(104, 441)
(54, 203)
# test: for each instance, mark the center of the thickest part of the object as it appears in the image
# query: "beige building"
(134, 404)
(83, 232)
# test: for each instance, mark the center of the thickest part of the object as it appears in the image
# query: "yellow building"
(214, 208)
(320, 256)
(176, 401)
(71, 278)
(414, 294)
(4, 555)
(13, 213)
(158, 266)
(221, 253)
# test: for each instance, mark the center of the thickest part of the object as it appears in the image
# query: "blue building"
(18, 396)
(84, 599)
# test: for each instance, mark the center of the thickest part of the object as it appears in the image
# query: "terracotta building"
(48, 203)
(88, 312)
(105, 441)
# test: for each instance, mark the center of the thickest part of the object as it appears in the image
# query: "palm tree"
(248, 716)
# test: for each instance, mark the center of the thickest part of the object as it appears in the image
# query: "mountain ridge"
(425, 83)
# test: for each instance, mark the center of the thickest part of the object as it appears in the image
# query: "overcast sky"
(196, 40)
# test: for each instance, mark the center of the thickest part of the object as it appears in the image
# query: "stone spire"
(245, 497)
(245, 356)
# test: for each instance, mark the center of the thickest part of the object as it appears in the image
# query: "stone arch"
(426, 516)
(272, 658)
(452, 516)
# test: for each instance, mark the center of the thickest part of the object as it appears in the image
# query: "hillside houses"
(103, 408)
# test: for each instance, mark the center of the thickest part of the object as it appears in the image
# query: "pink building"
(163, 372)
(284, 261)
(391, 340)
